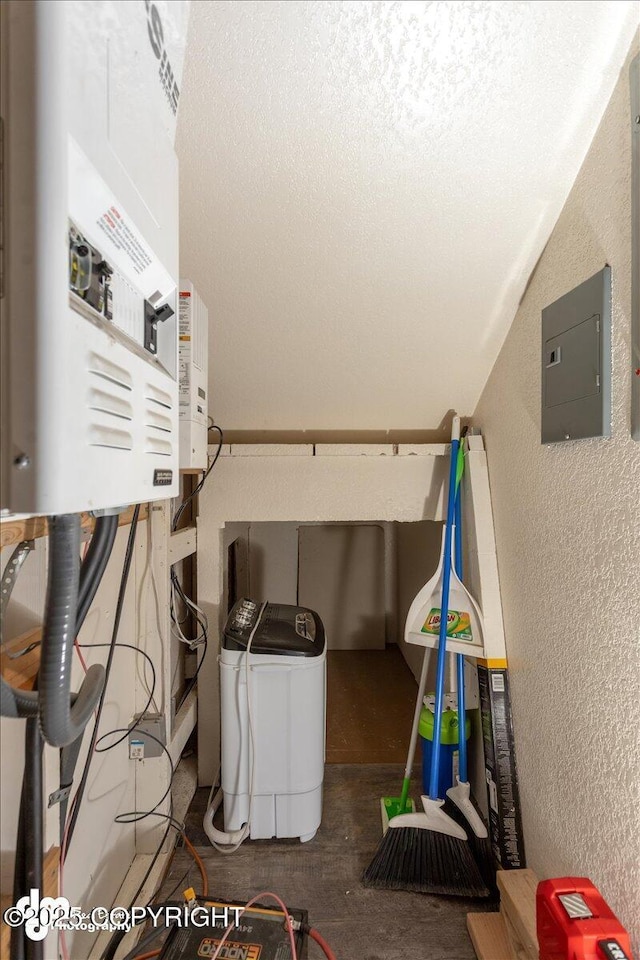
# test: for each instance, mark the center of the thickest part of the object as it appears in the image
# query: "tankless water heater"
(90, 94)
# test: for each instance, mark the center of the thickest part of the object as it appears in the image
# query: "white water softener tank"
(273, 752)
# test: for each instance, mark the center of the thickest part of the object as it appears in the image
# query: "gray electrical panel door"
(576, 362)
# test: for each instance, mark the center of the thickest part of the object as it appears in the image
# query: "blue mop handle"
(444, 612)
(462, 718)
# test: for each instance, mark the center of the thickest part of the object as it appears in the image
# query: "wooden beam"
(518, 904)
(489, 936)
(15, 530)
(517, 948)
(182, 544)
(22, 671)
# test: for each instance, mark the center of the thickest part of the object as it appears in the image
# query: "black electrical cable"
(34, 822)
(134, 816)
(119, 935)
(198, 488)
(29, 842)
(172, 823)
(190, 609)
(194, 678)
(143, 653)
(94, 564)
(184, 879)
(148, 939)
(114, 636)
(19, 873)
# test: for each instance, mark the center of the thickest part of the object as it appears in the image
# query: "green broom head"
(395, 806)
(392, 807)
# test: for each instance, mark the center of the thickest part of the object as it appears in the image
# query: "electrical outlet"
(150, 731)
(136, 750)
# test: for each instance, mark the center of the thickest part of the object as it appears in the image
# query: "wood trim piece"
(517, 948)
(13, 531)
(489, 936)
(518, 904)
(182, 544)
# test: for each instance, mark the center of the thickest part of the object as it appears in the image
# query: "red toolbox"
(575, 923)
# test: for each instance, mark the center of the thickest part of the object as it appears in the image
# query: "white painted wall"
(567, 521)
(307, 484)
(365, 187)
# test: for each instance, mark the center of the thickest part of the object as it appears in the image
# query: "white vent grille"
(124, 418)
(158, 421)
(155, 395)
(157, 446)
(109, 403)
(108, 370)
(104, 435)
(158, 432)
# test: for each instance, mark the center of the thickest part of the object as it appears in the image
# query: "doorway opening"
(361, 578)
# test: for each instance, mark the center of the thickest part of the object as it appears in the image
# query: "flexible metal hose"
(60, 722)
(17, 703)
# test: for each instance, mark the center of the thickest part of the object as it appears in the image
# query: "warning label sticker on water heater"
(184, 348)
(458, 624)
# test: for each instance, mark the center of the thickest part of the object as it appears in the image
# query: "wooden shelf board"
(13, 531)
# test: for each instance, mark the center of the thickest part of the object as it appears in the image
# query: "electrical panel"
(193, 337)
(576, 362)
(90, 95)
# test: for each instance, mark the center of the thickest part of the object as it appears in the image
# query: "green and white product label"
(184, 347)
(458, 624)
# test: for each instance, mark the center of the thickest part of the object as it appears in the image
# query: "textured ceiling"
(366, 187)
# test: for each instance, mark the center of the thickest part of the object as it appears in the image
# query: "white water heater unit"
(193, 339)
(90, 94)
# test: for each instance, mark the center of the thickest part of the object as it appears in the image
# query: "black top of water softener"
(282, 629)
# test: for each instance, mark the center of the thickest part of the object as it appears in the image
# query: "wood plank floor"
(371, 696)
(323, 876)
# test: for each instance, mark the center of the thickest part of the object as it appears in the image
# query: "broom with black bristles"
(428, 852)
(459, 803)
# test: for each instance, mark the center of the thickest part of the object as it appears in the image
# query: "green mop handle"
(404, 796)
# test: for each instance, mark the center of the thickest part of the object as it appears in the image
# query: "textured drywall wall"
(567, 520)
(366, 187)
